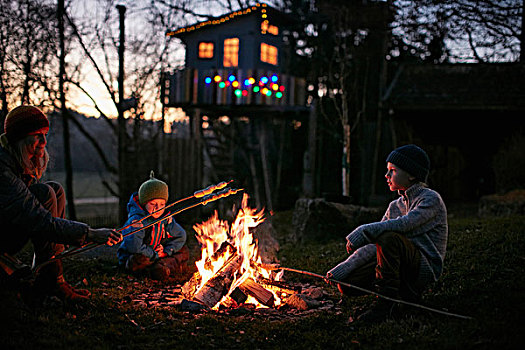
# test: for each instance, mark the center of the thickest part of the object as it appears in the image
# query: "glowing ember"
(232, 247)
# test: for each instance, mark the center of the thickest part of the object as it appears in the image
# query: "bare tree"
(28, 44)
(459, 31)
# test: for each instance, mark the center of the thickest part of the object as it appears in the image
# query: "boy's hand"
(104, 236)
(160, 251)
(137, 224)
(349, 247)
(328, 277)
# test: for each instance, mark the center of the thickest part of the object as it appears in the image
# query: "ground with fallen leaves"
(483, 279)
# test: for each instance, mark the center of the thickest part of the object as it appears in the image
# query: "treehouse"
(235, 60)
(247, 113)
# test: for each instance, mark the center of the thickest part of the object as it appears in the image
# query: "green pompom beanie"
(152, 189)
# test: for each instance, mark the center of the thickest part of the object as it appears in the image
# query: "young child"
(158, 250)
(403, 253)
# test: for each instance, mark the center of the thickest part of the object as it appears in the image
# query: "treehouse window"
(269, 54)
(231, 52)
(206, 50)
(268, 28)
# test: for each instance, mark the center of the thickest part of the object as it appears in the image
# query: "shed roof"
(458, 86)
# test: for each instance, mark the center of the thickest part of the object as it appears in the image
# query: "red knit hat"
(22, 121)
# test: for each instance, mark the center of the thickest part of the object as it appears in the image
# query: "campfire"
(231, 271)
(232, 277)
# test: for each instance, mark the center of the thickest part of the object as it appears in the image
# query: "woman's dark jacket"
(21, 214)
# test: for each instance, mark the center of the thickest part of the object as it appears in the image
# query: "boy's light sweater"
(421, 216)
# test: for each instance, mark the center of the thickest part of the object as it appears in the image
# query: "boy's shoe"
(381, 311)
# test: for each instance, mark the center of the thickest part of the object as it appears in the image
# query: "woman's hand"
(104, 235)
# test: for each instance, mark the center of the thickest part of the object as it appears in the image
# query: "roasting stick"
(277, 267)
(204, 197)
(197, 194)
(205, 200)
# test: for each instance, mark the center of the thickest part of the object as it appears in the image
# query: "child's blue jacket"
(144, 241)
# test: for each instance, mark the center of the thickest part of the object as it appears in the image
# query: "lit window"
(268, 28)
(206, 50)
(269, 54)
(231, 52)
(264, 27)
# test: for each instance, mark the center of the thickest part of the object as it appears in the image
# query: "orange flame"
(212, 233)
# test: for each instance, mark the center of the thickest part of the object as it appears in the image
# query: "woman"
(33, 211)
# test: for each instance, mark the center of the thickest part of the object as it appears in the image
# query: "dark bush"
(509, 164)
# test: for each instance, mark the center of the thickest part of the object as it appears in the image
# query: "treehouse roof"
(260, 10)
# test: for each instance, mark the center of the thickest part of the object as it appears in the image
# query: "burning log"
(190, 288)
(219, 285)
(238, 296)
(236, 261)
(263, 296)
(278, 285)
(225, 248)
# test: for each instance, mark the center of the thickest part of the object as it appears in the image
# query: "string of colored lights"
(266, 85)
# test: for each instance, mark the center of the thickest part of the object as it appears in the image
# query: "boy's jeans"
(395, 272)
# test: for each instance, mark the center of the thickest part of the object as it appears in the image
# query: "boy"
(404, 252)
(159, 250)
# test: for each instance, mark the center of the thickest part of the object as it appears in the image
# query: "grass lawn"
(483, 278)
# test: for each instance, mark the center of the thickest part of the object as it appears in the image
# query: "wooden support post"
(265, 166)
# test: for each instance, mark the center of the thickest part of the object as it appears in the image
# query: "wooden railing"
(232, 87)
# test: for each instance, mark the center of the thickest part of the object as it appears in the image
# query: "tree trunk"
(121, 122)
(65, 115)
(346, 160)
(522, 40)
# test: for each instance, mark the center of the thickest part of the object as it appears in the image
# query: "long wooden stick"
(374, 293)
(203, 200)
(197, 194)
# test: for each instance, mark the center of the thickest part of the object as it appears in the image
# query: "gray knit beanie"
(152, 189)
(411, 159)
